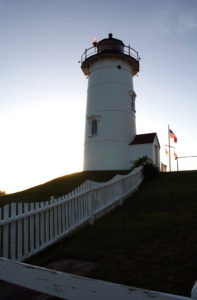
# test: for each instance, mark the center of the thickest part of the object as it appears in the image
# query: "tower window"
(132, 94)
(94, 127)
(133, 104)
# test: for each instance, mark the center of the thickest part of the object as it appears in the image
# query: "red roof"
(146, 138)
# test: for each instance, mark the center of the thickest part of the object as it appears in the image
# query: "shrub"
(149, 170)
(2, 193)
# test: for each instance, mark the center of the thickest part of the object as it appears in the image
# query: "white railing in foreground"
(27, 228)
(73, 287)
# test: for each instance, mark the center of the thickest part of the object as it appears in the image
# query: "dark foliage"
(2, 193)
(149, 170)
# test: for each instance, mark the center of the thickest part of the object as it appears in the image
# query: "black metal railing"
(95, 50)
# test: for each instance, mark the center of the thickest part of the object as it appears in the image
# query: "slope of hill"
(57, 187)
(149, 242)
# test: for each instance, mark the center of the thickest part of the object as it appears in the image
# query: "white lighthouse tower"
(110, 112)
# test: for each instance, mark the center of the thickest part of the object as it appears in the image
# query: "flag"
(173, 136)
(166, 151)
(175, 155)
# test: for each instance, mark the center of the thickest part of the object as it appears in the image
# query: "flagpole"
(169, 148)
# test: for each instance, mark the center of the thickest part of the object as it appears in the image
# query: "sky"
(43, 90)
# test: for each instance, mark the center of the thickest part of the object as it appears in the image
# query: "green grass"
(57, 187)
(149, 242)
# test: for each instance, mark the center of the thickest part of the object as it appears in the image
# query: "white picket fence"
(27, 228)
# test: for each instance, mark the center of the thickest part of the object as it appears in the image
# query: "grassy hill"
(57, 187)
(149, 242)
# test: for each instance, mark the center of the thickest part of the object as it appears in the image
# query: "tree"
(2, 193)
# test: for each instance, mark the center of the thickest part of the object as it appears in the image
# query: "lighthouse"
(110, 124)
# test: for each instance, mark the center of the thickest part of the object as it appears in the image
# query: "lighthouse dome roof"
(110, 44)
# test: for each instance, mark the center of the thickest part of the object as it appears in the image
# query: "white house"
(110, 133)
(146, 144)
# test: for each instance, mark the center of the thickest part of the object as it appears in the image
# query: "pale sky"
(43, 90)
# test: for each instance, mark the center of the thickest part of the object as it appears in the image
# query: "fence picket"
(80, 215)
(76, 210)
(31, 228)
(6, 232)
(19, 233)
(51, 221)
(59, 213)
(37, 229)
(42, 219)
(70, 213)
(13, 232)
(67, 215)
(26, 230)
(63, 211)
(55, 220)
(46, 223)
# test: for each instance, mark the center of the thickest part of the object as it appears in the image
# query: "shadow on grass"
(149, 242)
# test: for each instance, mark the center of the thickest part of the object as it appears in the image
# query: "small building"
(146, 144)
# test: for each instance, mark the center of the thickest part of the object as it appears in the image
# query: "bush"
(149, 170)
(2, 193)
